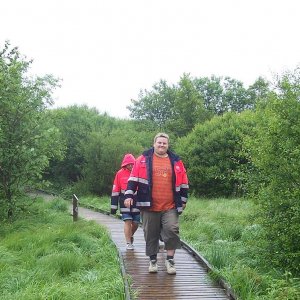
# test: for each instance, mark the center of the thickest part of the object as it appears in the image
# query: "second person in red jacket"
(131, 215)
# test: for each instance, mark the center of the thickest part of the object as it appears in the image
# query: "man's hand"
(128, 202)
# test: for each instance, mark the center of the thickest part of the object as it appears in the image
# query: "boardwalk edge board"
(125, 276)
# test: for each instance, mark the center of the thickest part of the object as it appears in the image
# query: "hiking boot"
(153, 268)
(170, 264)
(129, 246)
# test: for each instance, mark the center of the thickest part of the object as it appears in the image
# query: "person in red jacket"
(160, 180)
(131, 215)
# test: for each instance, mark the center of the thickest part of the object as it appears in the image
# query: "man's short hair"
(161, 134)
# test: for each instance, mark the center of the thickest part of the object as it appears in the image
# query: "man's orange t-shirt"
(162, 193)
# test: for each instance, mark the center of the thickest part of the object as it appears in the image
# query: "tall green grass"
(102, 203)
(45, 255)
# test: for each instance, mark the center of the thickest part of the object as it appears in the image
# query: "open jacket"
(140, 181)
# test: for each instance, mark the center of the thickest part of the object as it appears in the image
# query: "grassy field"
(45, 255)
(226, 233)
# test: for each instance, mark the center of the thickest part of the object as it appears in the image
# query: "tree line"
(235, 142)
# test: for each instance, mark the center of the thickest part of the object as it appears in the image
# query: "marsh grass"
(97, 202)
(225, 232)
(47, 256)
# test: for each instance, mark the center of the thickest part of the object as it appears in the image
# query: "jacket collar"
(171, 154)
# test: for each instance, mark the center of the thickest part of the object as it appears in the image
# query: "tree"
(154, 105)
(75, 123)
(222, 95)
(211, 90)
(188, 108)
(175, 108)
(258, 92)
(178, 108)
(103, 154)
(275, 151)
(27, 141)
(212, 155)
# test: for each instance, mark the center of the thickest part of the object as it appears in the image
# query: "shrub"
(275, 151)
(212, 155)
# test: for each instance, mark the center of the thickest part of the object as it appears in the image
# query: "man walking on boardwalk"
(160, 180)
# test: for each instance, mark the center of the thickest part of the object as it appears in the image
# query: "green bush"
(274, 149)
(213, 157)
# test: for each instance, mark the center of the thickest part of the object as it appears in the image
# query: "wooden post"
(75, 207)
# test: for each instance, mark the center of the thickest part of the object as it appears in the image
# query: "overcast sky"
(105, 52)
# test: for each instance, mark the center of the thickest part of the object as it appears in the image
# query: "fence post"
(75, 207)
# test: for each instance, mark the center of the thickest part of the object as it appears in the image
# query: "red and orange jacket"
(140, 181)
(119, 187)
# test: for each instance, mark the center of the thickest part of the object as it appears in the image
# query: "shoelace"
(172, 263)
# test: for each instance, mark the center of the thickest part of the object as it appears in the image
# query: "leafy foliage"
(179, 107)
(275, 151)
(75, 123)
(27, 140)
(154, 105)
(212, 152)
(223, 95)
(103, 155)
(95, 146)
(188, 109)
(175, 108)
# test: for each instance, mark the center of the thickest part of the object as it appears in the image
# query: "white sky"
(106, 51)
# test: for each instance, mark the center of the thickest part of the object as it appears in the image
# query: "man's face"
(161, 145)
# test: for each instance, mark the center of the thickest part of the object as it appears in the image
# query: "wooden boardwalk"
(190, 282)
